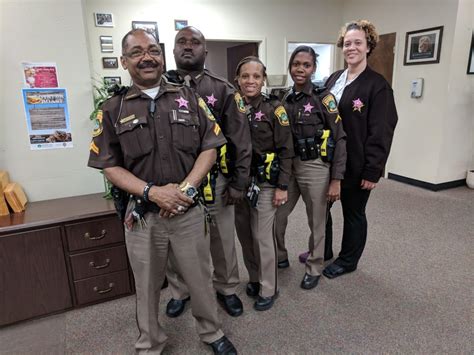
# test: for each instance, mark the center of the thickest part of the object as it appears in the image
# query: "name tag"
(127, 119)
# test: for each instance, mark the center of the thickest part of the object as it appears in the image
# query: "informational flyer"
(40, 75)
(47, 118)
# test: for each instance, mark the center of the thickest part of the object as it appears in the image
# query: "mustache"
(147, 64)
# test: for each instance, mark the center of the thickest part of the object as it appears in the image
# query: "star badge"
(211, 100)
(357, 105)
(308, 107)
(259, 115)
(182, 102)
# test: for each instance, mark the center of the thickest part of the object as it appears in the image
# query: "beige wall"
(51, 31)
(272, 22)
(433, 140)
(440, 124)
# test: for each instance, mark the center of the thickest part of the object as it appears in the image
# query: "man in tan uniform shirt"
(157, 142)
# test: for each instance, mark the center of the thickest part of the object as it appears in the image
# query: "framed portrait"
(110, 62)
(423, 46)
(151, 27)
(106, 44)
(470, 64)
(180, 24)
(111, 80)
(162, 45)
(103, 19)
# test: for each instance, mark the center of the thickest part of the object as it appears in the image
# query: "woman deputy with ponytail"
(272, 152)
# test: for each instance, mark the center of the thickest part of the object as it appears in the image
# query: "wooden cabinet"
(61, 254)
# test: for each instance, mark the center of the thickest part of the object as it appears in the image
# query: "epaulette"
(319, 89)
(217, 77)
(172, 77)
(172, 84)
(271, 99)
(117, 89)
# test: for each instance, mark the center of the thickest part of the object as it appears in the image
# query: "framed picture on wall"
(423, 46)
(151, 27)
(110, 62)
(111, 80)
(470, 64)
(162, 45)
(103, 19)
(180, 24)
(106, 44)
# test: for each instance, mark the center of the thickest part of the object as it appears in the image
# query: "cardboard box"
(15, 197)
(4, 180)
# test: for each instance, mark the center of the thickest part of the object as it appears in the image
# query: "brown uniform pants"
(224, 257)
(310, 179)
(182, 239)
(255, 232)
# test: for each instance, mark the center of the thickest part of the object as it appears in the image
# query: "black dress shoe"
(175, 307)
(283, 264)
(232, 304)
(264, 303)
(333, 270)
(309, 281)
(252, 289)
(223, 346)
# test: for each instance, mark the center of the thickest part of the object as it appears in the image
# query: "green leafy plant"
(101, 94)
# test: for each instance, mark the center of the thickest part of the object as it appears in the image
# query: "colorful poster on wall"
(47, 118)
(40, 75)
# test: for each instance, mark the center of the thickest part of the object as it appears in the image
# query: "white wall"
(51, 31)
(63, 31)
(272, 22)
(433, 139)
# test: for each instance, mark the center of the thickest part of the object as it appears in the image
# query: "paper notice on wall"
(40, 75)
(47, 118)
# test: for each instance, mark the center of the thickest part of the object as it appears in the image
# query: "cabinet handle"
(92, 264)
(111, 286)
(102, 235)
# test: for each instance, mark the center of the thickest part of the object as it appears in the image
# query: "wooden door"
(381, 59)
(33, 277)
(235, 54)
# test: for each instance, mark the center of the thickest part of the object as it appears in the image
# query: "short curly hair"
(370, 33)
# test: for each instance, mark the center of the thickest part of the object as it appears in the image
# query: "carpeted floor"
(412, 294)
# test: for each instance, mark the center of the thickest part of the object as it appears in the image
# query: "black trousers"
(354, 236)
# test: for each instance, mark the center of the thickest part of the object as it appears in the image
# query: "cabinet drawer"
(94, 233)
(99, 262)
(102, 287)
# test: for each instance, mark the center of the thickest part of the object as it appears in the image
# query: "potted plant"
(101, 94)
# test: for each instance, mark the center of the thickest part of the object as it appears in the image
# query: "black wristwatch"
(283, 187)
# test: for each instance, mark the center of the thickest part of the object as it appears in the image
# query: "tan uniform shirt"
(156, 140)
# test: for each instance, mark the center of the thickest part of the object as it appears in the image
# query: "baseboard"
(427, 185)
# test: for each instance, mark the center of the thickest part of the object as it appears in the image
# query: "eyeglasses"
(139, 53)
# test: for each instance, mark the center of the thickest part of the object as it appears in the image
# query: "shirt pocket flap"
(184, 118)
(131, 124)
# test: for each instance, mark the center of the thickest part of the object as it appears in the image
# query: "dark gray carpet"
(412, 294)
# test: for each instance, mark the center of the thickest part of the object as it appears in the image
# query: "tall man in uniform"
(228, 107)
(157, 142)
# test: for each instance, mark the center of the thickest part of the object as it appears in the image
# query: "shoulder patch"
(330, 102)
(282, 116)
(98, 128)
(239, 102)
(206, 109)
